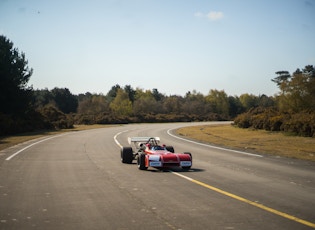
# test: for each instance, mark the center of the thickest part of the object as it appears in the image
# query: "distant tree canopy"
(65, 100)
(61, 98)
(92, 104)
(121, 105)
(297, 91)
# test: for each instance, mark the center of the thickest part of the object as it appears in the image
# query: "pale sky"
(175, 46)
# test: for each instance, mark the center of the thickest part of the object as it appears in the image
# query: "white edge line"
(181, 175)
(212, 146)
(21, 150)
(115, 138)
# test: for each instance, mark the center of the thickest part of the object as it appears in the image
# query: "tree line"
(294, 110)
(25, 109)
(126, 104)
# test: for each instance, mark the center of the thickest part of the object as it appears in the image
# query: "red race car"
(149, 153)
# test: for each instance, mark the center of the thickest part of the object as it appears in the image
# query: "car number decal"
(185, 163)
(155, 163)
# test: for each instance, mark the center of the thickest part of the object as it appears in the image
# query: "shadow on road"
(178, 170)
(171, 169)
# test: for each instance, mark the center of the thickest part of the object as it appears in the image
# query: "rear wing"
(135, 140)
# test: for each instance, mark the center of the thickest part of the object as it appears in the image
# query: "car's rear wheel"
(141, 162)
(126, 155)
(187, 167)
(189, 154)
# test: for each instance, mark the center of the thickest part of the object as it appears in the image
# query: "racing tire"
(126, 155)
(170, 149)
(141, 162)
(187, 167)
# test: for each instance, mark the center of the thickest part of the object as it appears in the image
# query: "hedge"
(270, 119)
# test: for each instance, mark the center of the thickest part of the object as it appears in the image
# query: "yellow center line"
(271, 210)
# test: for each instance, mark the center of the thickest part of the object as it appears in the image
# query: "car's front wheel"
(141, 162)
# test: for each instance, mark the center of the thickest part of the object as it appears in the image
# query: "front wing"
(171, 160)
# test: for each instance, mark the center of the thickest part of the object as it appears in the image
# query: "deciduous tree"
(92, 105)
(121, 105)
(219, 101)
(145, 102)
(249, 101)
(65, 100)
(297, 90)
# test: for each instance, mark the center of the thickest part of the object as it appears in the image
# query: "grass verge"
(255, 141)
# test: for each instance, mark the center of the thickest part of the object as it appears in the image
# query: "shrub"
(302, 123)
(242, 121)
(56, 118)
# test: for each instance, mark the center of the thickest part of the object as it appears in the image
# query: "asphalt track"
(76, 181)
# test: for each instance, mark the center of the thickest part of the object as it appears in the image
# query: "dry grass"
(6, 142)
(257, 141)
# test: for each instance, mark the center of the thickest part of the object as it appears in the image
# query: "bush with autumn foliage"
(295, 110)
